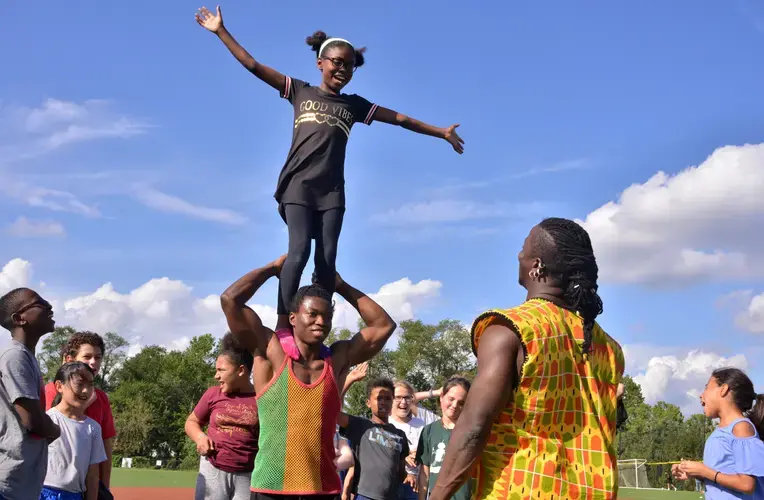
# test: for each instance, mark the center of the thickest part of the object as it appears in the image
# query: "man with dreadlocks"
(298, 381)
(540, 419)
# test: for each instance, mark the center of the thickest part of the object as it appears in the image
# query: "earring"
(534, 274)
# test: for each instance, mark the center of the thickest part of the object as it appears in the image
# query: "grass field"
(146, 478)
(632, 494)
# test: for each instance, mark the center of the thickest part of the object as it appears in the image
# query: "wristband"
(431, 393)
(715, 476)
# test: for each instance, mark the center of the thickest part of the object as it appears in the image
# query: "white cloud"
(444, 211)
(679, 379)
(26, 228)
(27, 133)
(702, 223)
(57, 123)
(42, 197)
(16, 273)
(748, 308)
(166, 312)
(164, 202)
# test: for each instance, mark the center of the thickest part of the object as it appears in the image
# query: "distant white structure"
(127, 463)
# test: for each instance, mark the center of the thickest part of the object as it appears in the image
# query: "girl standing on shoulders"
(229, 410)
(311, 187)
(73, 458)
(733, 459)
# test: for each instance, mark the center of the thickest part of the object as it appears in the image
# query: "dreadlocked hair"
(233, 350)
(319, 37)
(566, 251)
(9, 304)
(314, 290)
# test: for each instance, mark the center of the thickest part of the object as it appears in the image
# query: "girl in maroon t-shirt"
(229, 411)
(311, 186)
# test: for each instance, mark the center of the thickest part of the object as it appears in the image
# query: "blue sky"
(135, 148)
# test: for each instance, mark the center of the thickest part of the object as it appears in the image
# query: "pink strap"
(286, 338)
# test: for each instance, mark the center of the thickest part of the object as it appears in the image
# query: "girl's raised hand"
(206, 19)
(453, 138)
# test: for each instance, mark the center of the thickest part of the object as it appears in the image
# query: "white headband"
(330, 40)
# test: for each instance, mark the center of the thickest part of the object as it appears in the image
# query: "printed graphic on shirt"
(437, 461)
(385, 438)
(236, 419)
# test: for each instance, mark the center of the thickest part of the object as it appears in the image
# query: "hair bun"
(316, 39)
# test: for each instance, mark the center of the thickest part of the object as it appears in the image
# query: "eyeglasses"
(41, 303)
(408, 399)
(341, 63)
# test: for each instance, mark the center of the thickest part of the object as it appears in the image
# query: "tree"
(425, 356)
(634, 440)
(170, 383)
(50, 356)
(134, 421)
(113, 358)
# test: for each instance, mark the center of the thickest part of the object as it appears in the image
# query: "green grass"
(634, 494)
(187, 479)
(147, 478)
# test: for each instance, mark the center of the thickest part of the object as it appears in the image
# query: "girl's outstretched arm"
(214, 23)
(394, 118)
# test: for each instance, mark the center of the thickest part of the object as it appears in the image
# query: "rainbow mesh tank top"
(556, 437)
(296, 443)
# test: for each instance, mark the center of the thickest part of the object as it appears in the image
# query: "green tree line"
(153, 392)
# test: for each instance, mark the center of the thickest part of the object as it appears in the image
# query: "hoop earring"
(534, 274)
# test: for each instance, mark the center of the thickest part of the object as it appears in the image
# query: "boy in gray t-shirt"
(25, 430)
(379, 447)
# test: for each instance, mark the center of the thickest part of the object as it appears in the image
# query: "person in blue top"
(311, 187)
(733, 458)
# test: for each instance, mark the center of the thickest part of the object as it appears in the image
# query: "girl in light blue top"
(733, 459)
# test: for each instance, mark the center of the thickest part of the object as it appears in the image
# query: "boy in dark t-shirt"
(379, 447)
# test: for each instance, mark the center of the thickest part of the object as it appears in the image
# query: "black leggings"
(305, 224)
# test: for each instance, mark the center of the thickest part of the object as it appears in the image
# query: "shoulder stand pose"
(298, 380)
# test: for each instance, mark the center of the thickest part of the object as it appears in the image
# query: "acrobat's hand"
(453, 138)
(338, 281)
(207, 20)
(278, 264)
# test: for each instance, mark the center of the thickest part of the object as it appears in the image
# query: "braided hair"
(566, 252)
(314, 290)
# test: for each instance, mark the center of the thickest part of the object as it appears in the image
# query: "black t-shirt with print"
(314, 172)
(379, 450)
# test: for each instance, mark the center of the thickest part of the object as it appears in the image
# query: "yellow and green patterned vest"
(556, 437)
